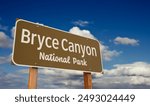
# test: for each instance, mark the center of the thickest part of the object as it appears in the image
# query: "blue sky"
(122, 26)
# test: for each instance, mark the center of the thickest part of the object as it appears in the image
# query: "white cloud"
(81, 23)
(121, 76)
(5, 59)
(134, 75)
(106, 52)
(47, 78)
(134, 69)
(63, 72)
(54, 78)
(12, 31)
(84, 33)
(13, 80)
(126, 41)
(5, 41)
(122, 82)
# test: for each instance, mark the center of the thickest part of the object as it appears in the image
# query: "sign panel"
(41, 46)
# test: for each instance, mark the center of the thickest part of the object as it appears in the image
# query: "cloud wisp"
(126, 41)
(5, 41)
(5, 59)
(12, 31)
(81, 23)
(79, 32)
(109, 54)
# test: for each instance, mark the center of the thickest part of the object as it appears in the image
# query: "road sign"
(42, 46)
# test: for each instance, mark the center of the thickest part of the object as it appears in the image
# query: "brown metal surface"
(23, 50)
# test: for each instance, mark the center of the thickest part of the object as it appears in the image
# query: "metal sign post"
(32, 81)
(87, 80)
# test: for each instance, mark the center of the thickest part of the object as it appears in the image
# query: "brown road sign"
(41, 46)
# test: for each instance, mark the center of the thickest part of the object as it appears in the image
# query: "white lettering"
(79, 62)
(94, 53)
(46, 42)
(62, 44)
(41, 41)
(83, 50)
(88, 50)
(55, 43)
(25, 35)
(52, 57)
(32, 39)
(71, 47)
